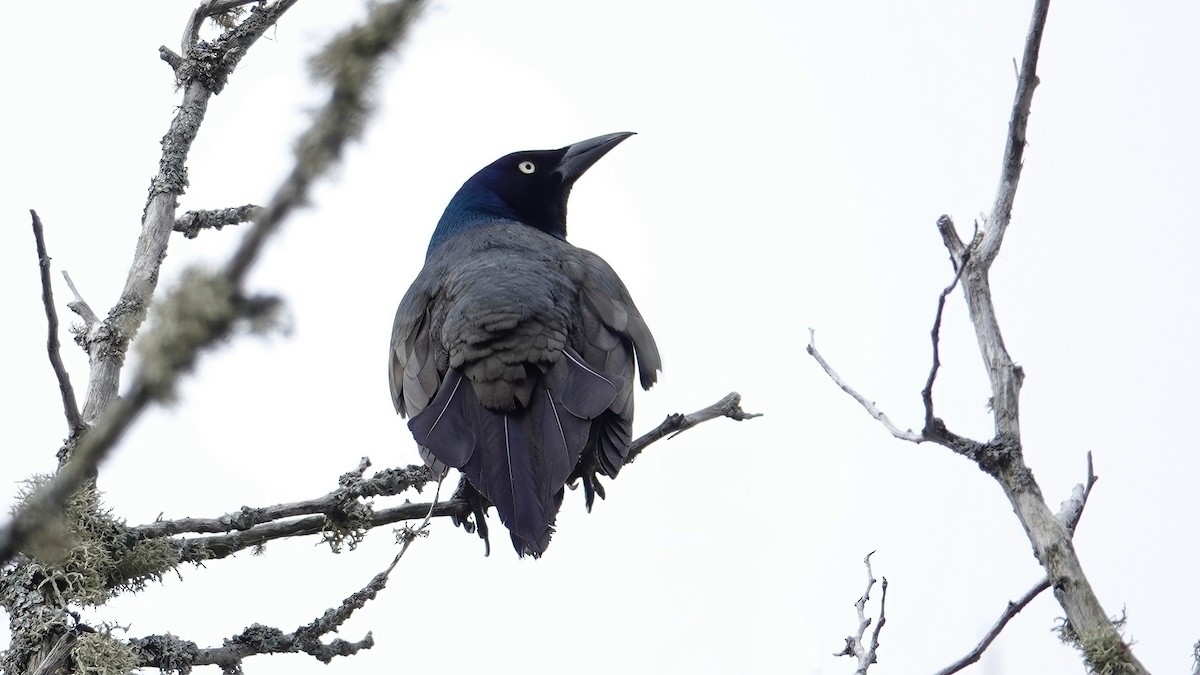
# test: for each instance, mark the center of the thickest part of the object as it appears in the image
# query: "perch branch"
(249, 527)
(675, 424)
(353, 485)
(192, 222)
(200, 549)
(855, 647)
(70, 408)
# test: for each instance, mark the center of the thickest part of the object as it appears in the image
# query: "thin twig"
(935, 335)
(673, 425)
(865, 653)
(873, 410)
(75, 423)
(1013, 609)
(167, 652)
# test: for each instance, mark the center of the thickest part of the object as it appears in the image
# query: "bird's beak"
(581, 156)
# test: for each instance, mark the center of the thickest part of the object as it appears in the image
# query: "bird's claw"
(478, 505)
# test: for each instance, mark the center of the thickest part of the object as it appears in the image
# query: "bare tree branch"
(1014, 148)
(1050, 538)
(215, 304)
(169, 653)
(873, 410)
(341, 509)
(75, 423)
(1071, 511)
(1097, 637)
(353, 485)
(865, 652)
(1013, 609)
(673, 425)
(192, 222)
(201, 74)
(935, 335)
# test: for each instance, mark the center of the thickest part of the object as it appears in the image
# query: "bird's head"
(531, 187)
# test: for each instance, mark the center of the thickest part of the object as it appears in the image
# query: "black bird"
(513, 351)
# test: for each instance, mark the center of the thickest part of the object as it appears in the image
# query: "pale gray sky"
(791, 161)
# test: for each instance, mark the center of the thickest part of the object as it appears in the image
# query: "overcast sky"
(790, 163)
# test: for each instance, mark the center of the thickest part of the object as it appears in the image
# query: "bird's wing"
(412, 360)
(611, 318)
(613, 334)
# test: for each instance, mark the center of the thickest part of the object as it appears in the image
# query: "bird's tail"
(518, 459)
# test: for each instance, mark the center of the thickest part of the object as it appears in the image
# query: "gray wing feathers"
(604, 297)
(613, 334)
(413, 364)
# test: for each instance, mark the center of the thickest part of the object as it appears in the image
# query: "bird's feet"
(479, 506)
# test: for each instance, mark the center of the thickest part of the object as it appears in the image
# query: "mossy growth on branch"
(89, 556)
(102, 654)
(1104, 652)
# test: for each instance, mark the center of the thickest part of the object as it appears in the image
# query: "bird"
(513, 351)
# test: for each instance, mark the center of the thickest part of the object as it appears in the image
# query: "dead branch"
(935, 336)
(873, 410)
(1013, 609)
(1069, 515)
(84, 310)
(192, 222)
(171, 352)
(1050, 538)
(75, 423)
(341, 510)
(169, 653)
(675, 424)
(865, 652)
(202, 73)
(1002, 457)
(352, 486)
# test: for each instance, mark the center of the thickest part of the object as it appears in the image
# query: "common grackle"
(513, 351)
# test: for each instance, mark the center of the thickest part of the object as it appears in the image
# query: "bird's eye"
(526, 167)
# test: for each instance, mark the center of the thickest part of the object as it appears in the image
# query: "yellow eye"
(526, 167)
